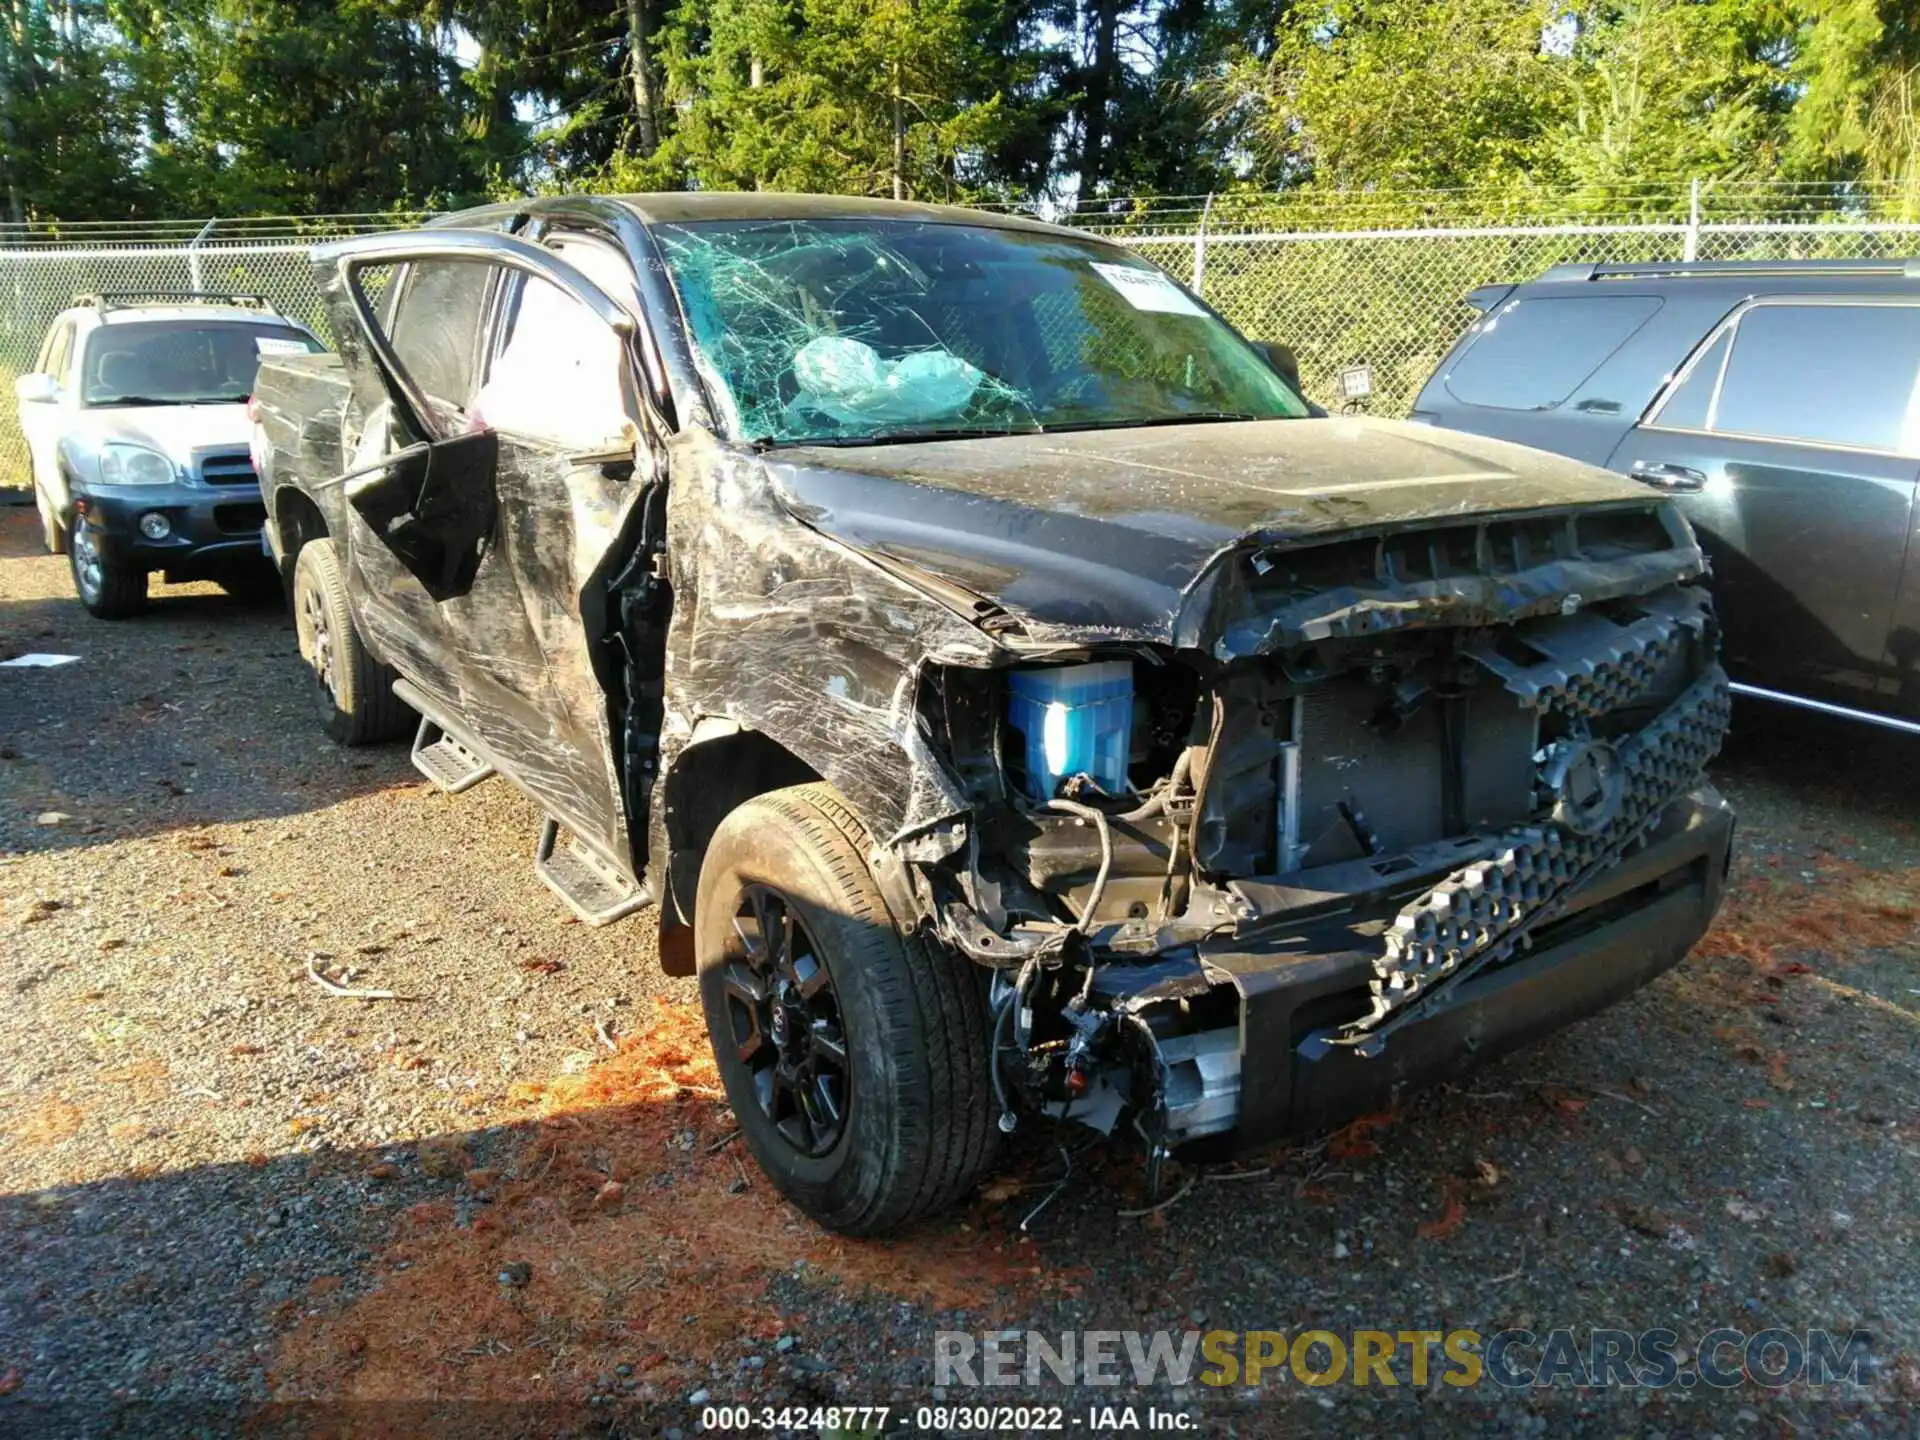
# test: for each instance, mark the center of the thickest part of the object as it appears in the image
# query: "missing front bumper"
(1282, 1070)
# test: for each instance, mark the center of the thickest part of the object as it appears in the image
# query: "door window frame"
(504, 252)
(59, 353)
(403, 282)
(1729, 326)
(507, 289)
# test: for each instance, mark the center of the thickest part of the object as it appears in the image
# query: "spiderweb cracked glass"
(756, 300)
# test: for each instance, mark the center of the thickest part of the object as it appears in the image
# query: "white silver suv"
(135, 415)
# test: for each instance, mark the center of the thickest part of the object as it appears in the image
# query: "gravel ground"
(222, 1184)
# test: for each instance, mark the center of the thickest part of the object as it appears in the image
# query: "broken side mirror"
(1282, 359)
(436, 507)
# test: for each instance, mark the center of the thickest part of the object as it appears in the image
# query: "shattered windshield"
(853, 331)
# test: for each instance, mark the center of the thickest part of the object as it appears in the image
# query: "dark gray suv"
(1779, 403)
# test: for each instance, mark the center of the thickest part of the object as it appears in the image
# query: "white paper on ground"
(38, 661)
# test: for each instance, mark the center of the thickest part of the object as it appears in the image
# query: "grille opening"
(1521, 544)
(1316, 568)
(1509, 645)
(1432, 554)
(234, 469)
(1611, 534)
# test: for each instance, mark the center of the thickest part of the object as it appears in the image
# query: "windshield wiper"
(977, 432)
(1196, 417)
(894, 437)
(136, 400)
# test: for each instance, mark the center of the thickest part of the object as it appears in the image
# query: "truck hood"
(176, 431)
(1117, 530)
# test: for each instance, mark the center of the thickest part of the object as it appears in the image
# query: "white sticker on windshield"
(263, 345)
(1148, 290)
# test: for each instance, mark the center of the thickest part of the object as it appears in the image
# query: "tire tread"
(373, 713)
(123, 589)
(937, 1008)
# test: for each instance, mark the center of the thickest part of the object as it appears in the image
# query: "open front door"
(419, 307)
(486, 366)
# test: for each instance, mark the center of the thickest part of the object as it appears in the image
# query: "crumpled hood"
(1109, 529)
(176, 431)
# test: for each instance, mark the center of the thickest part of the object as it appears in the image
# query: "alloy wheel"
(316, 644)
(786, 1023)
(88, 570)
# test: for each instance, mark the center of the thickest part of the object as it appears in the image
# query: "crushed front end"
(1394, 803)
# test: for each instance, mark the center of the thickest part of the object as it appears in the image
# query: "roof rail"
(1908, 269)
(1569, 270)
(1485, 297)
(105, 300)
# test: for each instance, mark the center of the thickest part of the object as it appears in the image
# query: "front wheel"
(352, 691)
(855, 1057)
(108, 590)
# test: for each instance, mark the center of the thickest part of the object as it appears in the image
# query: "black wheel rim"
(316, 646)
(784, 1016)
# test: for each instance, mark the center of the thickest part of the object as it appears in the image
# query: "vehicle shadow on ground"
(196, 712)
(1822, 760)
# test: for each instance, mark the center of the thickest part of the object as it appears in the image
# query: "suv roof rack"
(105, 300)
(1681, 269)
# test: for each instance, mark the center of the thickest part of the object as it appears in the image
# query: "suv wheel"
(855, 1057)
(108, 591)
(352, 691)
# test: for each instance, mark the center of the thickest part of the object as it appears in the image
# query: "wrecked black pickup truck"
(1016, 699)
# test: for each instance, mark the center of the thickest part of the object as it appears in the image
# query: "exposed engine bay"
(1435, 793)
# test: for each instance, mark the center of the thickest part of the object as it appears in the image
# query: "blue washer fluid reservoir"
(1076, 720)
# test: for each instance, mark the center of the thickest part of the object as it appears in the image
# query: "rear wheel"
(352, 691)
(854, 1057)
(108, 590)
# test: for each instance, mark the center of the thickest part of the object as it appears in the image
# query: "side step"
(594, 890)
(445, 761)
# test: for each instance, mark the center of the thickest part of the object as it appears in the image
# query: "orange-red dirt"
(649, 1238)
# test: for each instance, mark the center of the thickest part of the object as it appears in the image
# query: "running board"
(594, 890)
(450, 765)
(1844, 712)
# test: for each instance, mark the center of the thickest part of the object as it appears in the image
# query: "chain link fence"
(1390, 299)
(1394, 300)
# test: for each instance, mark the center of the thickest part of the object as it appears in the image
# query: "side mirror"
(1281, 358)
(37, 388)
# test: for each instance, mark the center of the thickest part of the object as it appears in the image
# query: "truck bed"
(303, 402)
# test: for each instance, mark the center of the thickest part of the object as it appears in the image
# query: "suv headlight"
(134, 465)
